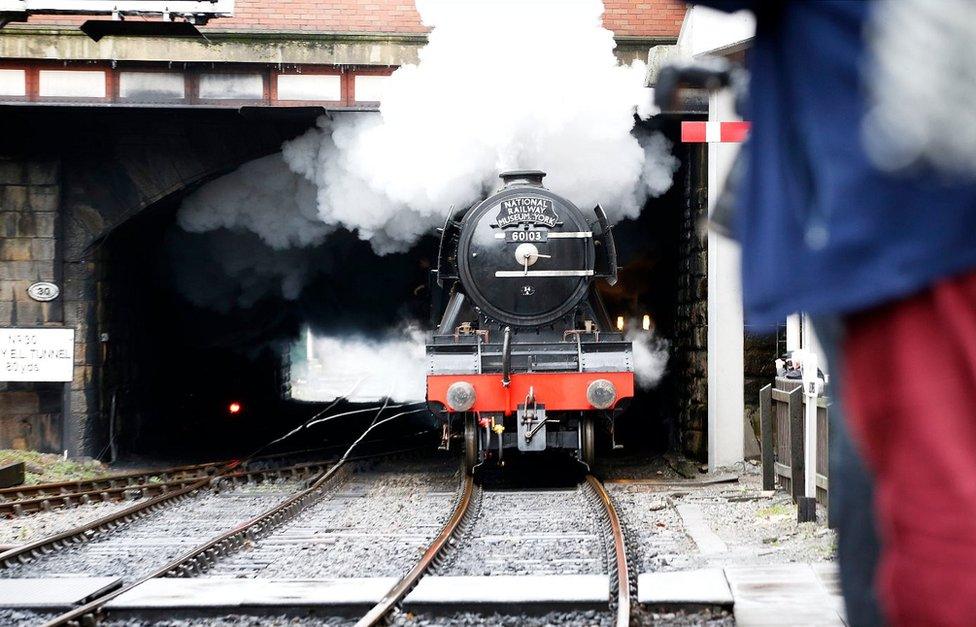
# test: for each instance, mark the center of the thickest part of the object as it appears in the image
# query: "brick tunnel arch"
(71, 178)
(87, 177)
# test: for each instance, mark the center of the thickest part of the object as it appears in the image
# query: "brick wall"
(644, 18)
(630, 18)
(30, 192)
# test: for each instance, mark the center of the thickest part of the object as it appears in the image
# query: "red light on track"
(234, 408)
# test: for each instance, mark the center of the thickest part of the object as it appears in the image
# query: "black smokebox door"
(497, 280)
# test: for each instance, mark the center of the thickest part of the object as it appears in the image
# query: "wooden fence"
(781, 416)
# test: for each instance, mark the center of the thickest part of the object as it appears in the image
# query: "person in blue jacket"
(877, 257)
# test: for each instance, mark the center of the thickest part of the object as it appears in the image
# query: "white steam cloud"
(362, 369)
(262, 196)
(650, 358)
(500, 85)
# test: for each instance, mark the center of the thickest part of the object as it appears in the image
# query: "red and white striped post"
(714, 132)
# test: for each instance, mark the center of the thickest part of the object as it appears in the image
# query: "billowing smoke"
(229, 270)
(362, 369)
(659, 167)
(262, 197)
(650, 358)
(499, 86)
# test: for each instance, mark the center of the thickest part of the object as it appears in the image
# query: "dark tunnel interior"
(184, 343)
(204, 342)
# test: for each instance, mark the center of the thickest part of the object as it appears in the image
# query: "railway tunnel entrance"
(166, 345)
(661, 296)
(201, 373)
(206, 370)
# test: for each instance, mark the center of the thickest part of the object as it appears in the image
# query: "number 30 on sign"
(43, 291)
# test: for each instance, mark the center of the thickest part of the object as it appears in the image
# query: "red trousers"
(910, 389)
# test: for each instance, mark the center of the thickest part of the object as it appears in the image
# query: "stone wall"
(30, 195)
(101, 168)
(690, 352)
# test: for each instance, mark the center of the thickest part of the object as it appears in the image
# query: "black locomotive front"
(525, 356)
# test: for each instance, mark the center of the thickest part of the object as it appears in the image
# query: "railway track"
(470, 507)
(98, 528)
(205, 553)
(26, 499)
(586, 524)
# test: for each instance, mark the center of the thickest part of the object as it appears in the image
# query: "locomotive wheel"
(587, 441)
(470, 443)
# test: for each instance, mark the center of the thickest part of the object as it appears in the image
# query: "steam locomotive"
(525, 356)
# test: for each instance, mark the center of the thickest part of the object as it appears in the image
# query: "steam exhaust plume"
(369, 369)
(501, 85)
(650, 358)
(263, 197)
(362, 369)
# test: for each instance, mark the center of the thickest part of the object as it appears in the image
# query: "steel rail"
(619, 550)
(67, 490)
(25, 552)
(60, 489)
(40, 497)
(193, 560)
(378, 614)
(74, 499)
(44, 545)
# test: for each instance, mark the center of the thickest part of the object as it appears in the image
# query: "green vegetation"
(50, 468)
(779, 509)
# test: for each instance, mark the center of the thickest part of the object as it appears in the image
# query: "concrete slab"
(786, 594)
(230, 592)
(752, 616)
(829, 576)
(564, 591)
(707, 586)
(697, 527)
(53, 592)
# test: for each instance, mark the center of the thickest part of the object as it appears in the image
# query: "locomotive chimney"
(522, 177)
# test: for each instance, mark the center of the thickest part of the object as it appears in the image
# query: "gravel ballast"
(757, 527)
(22, 618)
(470, 619)
(228, 620)
(530, 532)
(37, 525)
(377, 524)
(147, 543)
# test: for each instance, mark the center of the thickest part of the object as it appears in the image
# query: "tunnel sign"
(36, 354)
(43, 291)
